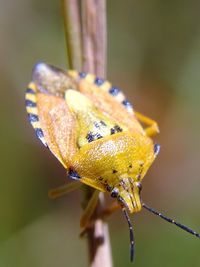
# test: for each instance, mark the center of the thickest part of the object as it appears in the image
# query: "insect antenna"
(183, 227)
(132, 242)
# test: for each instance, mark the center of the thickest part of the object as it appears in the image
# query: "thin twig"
(101, 39)
(88, 37)
(94, 37)
(71, 17)
(94, 61)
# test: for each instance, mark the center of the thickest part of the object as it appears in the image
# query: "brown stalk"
(72, 27)
(94, 37)
(92, 60)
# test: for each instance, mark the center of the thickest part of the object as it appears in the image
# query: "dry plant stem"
(71, 17)
(94, 61)
(101, 39)
(94, 36)
(99, 241)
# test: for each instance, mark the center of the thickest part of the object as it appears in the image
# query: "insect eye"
(139, 186)
(114, 192)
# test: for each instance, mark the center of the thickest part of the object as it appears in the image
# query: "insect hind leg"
(152, 127)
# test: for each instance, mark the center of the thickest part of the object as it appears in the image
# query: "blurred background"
(153, 54)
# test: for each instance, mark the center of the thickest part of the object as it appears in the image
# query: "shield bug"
(93, 130)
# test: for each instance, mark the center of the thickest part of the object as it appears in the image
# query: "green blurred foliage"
(153, 54)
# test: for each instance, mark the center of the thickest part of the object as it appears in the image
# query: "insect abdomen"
(31, 107)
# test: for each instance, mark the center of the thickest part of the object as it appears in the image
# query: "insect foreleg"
(110, 209)
(87, 213)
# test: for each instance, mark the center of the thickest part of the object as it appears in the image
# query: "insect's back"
(91, 129)
(108, 99)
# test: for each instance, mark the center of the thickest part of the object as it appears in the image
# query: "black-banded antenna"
(132, 242)
(183, 227)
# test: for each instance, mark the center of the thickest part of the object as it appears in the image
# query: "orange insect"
(92, 129)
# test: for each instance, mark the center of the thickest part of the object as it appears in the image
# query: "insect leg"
(110, 209)
(63, 189)
(152, 126)
(87, 213)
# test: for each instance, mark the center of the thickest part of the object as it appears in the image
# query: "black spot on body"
(138, 176)
(30, 103)
(73, 174)
(39, 133)
(99, 124)
(98, 136)
(142, 164)
(112, 131)
(82, 75)
(156, 149)
(103, 123)
(114, 91)
(30, 91)
(99, 81)
(115, 129)
(118, 128)
(93, 136)
(114, 171)
(127, 104)
(32, 117)
(90, 137)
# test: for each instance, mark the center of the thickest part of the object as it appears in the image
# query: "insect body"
(92, 129)
(96, 145)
